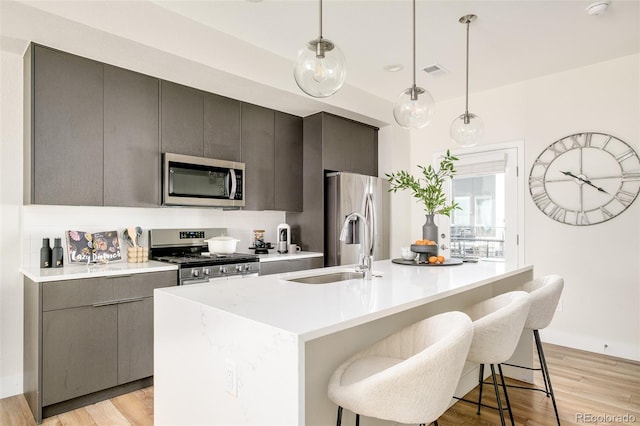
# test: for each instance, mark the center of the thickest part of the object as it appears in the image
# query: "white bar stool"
(409, 376)
(545, 294)
(497, 326)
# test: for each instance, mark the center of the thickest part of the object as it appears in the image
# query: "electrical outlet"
(231, 377)
(559, 307)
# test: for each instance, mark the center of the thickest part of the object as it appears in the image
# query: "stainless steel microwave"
(204, 182)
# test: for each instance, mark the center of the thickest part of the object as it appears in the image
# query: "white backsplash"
(41, 221)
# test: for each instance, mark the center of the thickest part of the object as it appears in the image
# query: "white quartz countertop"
(314, 310)
(275, 256)
(72, 272)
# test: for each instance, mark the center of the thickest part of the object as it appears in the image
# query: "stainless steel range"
(188, 249)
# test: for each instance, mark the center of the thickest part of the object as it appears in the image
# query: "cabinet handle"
(116, 302)
(110, 302)
(133, 299)
(110, 277)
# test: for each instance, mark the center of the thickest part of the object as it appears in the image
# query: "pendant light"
(415, 105)
(467, 129)
(320, 68)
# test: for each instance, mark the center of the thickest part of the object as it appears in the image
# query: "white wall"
(600, 263)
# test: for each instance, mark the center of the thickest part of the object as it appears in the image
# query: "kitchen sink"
(329, 278)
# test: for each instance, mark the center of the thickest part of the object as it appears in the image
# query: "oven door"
(197, 181)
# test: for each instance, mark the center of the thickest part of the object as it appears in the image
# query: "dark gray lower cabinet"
(291, 265)
(88, 339)
(135, 340)
(79, 352)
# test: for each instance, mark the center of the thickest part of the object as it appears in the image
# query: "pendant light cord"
(414, 45)
(466, 108)
(320, 20)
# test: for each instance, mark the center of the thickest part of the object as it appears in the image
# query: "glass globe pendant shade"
(466, 130)
(414, 108)
(320, 68)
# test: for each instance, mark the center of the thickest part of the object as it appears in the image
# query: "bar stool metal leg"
(506, 395)
(481, 382)
(545, 372)
(498, 398)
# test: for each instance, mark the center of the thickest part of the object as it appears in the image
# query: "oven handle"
(200, 281)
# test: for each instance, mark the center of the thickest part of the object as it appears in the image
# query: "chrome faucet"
(366, 248)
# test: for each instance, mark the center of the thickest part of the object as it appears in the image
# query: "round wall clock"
(585, 178)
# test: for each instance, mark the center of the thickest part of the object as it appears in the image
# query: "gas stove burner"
(188, 249)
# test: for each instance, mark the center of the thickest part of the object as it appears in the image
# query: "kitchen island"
(261, 350)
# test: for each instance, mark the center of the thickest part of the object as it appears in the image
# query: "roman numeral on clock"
(630, 176)
(626, 155)
(542, 200)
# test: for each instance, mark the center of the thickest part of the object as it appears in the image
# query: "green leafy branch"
(428, 189)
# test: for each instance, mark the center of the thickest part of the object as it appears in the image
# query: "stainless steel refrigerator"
(346, 193)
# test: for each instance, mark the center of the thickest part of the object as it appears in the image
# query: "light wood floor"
(584, 383)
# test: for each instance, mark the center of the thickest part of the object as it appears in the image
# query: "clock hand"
(587, 181)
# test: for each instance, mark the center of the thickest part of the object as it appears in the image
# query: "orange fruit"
(433, 259)
(441, 259)
(431, 243)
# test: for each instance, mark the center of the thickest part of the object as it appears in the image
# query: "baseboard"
(593, 344)
(72, 404)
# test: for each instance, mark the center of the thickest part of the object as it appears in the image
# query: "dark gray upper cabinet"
(336, 151)
(288, 162)
(221, 128)
(349, 146)
(66, 148)
(131, 142)
(258, 155)
(363, 149)
(182, 129)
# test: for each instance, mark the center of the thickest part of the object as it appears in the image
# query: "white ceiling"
(510, 41)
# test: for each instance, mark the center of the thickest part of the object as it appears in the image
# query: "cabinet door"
(135, 340)
(182, 119)
(258, 155)
(131, 139)
(288, 162)
(68, 127)
(336, 142)
(79, 352)
(364, 149)
(221, 128)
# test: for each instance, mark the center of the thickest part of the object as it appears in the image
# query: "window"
(489, 191)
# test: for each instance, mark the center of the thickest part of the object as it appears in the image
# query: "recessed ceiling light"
(598, 7)
(393, 67)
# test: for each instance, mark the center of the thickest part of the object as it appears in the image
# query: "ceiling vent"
(435, 69)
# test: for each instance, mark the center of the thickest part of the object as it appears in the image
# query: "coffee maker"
(283, 238)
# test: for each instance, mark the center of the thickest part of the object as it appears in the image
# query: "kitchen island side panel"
(216, 368)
